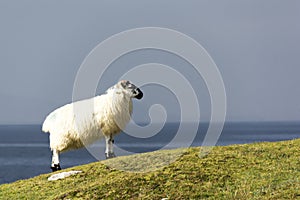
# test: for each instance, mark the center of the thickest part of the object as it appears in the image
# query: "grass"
(252, 171)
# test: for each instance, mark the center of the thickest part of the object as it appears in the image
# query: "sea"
(25, 153)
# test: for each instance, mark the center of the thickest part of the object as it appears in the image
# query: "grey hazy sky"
(254, 43)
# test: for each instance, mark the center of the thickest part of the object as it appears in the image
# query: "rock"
(62, 175)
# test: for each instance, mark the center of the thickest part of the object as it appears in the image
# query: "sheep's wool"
(83, 122)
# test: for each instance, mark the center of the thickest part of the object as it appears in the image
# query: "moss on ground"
(252, 171)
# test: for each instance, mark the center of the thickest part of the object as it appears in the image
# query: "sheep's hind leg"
(55, 161)
(109, 152)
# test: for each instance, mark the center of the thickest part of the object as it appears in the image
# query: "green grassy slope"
(253, 171)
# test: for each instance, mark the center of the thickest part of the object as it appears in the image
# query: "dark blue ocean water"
(24, 150)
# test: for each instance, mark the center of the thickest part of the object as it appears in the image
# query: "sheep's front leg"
(109, 152)
(55, 161)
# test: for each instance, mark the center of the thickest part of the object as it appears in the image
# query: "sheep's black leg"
(55, 166)
(110, 155)
(109, 152)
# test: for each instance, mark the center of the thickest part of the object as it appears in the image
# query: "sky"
(254, 43)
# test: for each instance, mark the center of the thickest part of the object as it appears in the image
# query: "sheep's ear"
(123, 83)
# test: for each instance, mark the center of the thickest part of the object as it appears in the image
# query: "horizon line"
(200, 122)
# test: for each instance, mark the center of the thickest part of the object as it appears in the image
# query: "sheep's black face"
(134, 91)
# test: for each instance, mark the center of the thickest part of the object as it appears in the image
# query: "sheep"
(70, 128)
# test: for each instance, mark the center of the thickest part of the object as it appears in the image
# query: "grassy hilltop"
(252, 171)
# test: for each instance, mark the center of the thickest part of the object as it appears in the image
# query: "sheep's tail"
(47, 123)
(45, 126)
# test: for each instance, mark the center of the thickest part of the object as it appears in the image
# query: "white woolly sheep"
(83, 122)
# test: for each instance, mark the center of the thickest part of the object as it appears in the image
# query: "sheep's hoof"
(55, 168)
(109, 155)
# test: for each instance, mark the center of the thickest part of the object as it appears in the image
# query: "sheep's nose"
(139, 93)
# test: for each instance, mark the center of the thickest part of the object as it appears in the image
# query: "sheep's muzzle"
(139, 94)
